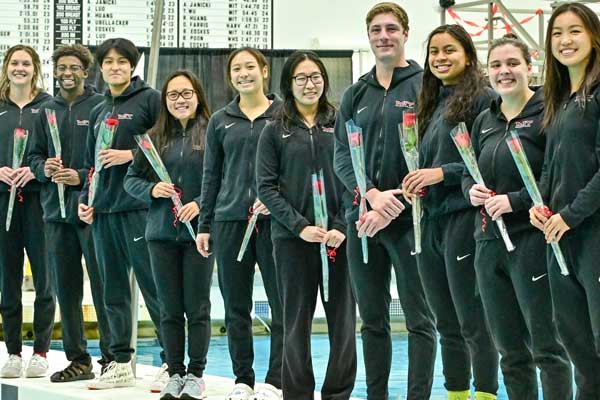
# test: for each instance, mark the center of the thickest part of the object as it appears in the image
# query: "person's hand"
(334, 238)
(6, 175)
(85, 213)
(554, 228)
(498, 205)
(111, 157)
(386, 203)
(538, 218)
(164, 190)
(313, 234)
(416, 181)
(21, 176)
(188, 212)
(202, 240)
(66, 176)
(259, 208)
(478, 194)
(52, 165)
(371, 223)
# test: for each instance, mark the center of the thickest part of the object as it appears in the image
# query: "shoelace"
(109, 371)
(195, 382)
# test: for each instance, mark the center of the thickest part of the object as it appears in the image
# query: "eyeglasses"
(302, 80)
(73, 68)
(185, 93)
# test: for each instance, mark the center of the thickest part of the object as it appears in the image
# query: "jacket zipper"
(496, 150)
(379, 144)
(250, 171)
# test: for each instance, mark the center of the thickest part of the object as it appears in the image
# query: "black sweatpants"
(448, 276)
(120, 246)
(371, 286)
(26, 232)
(300, 277)
(184, 293)
(576, 300)
(515, 291)
(66, 243)
(236, 281)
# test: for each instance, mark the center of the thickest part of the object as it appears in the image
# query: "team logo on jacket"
(404, 104)
(327, 130)
(524, 124)
(35, 110)
(124, 116)
(83, 122)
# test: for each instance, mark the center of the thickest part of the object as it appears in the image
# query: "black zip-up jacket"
(285, 160)
(183, 160)
(438, 150)
(137, 109)
(378, 112)
(229, 187)
(11, 117)
(571, 177)
(73, 123)
(498, 169)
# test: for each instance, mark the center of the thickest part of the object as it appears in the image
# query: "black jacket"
(137, 109)
(438, 150)
(73, 123)
(571, 177)
(378, 112)
(229, 187)
(183, 159)
(11, 117)
(285, 160)
(497, 166)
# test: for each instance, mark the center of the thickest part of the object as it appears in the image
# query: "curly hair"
(76, 50)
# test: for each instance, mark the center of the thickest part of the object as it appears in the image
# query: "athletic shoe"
(459, 395)
(268, 392)
(13, 367)
(76, 371)
(241, 391)
(172, 388)
(116, 375)
(484, 396)
(193, 388)
(37, 366)
(160, 379)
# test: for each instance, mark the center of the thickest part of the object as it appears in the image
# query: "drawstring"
(176, 204)
(251, 210)
(356, 196)
(90, 175)
(331, 253)
(484, 215)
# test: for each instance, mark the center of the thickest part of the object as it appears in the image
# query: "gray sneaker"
(173, 387)
(13, 367)
(193, 389)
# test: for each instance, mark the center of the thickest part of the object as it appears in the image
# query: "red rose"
(463, 139)
(409, 119)
(112, 122)
(355, 139)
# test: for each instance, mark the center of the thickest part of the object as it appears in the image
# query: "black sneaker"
(74, 372)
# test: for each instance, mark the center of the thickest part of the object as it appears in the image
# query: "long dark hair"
(556, 76)
(162, 131)
(288, 110)
(471, 83)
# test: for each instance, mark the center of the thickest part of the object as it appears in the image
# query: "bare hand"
(164, 190)
(386, 202)
(188, 212)
(537, 218)
(21, 176)
(51, 166)
(66, 176)
(111, 157)
(554, 228)
(417, 180)
(478, 194)
(202, 245)
(6, 175)
(334, 238)
(498, 205)
(85, 213)
(313, 234)
(371, 223)
(259, 208)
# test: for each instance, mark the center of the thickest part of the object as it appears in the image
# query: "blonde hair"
(37, 82)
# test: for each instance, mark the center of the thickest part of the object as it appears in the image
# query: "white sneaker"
(13, 367)
(240, 391)
(116, 375)
(268, 392)
(160, 379)
(37, 367)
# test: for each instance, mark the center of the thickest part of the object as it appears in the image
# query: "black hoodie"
(497, 166)
(285, 161)
(571, 176)
(73, 123)
(11, 117)
(137, 109)
(438, 150)
(183, 159)
(378, 112)
(229, 182)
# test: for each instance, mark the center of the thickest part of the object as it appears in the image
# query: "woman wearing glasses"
(294, 165)
(228, 197)
(183, 276)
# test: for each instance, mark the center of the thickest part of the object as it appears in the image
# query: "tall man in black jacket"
(376, 103)
(68, 238)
